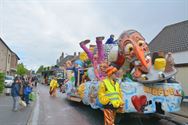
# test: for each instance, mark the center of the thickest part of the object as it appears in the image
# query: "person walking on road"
(110, 96)
(35, 81)
(15, 94)
(53, 86)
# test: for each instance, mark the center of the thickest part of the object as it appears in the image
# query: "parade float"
(146, 79)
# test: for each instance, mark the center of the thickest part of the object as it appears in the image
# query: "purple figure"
(96, 59)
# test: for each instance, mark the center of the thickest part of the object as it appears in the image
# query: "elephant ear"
(113, 54)
(91, 73)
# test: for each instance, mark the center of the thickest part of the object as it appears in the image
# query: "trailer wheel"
(159, 109)
(118, 118)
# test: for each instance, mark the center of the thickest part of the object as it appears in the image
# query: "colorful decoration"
(83, 56)
(138, 97)
(139, 102)
(68, 64)
(169, 63)
(131, 56)
(97, 59)
(79, 63)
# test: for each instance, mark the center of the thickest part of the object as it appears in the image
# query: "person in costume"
(53, 86)
(110, 96)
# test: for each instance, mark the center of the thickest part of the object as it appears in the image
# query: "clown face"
(135, 50)
(103, 66)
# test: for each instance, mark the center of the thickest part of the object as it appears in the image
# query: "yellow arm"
(121, 95)
(101, 94)
(51, 83)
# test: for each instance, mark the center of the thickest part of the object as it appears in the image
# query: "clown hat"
(110, 70)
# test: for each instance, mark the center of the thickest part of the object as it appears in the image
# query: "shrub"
(2, 80)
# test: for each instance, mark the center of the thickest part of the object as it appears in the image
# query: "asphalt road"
(59, 111)
(8, 117)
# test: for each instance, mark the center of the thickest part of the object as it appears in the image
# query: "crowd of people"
(20, 90)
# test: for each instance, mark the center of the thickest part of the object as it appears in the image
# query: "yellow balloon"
(81, 90)
(116, 104)
(83, 56)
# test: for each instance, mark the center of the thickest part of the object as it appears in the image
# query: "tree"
(2, 80)
(21, 70)
(40, 69)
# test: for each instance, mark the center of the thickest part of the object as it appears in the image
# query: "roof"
(9, 48)
(16, 55)
(68, 57)
(173, 38)
(5, 44)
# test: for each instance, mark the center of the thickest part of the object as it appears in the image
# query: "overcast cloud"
(39, 30)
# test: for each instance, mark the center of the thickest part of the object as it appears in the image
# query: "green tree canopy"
(40, 69)
(21, 70)
(2, 78)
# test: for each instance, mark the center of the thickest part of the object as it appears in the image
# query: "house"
(14, 62)
(8, 59)
(62, 60)
(174, 38)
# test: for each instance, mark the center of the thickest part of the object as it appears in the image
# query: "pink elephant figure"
(97, 59)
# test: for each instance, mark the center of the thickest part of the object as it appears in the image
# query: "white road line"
(36, 112)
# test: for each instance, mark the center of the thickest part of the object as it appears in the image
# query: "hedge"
(2, 80)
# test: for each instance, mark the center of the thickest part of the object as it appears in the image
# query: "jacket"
(15, 89)
(110, 93)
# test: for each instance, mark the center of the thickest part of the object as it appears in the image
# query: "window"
(9, 58)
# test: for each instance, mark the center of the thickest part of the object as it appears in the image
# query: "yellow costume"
(53, 87)
(110, 96)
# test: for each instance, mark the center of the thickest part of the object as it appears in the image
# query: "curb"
(184, 104)
(185, 116)
(185, 100)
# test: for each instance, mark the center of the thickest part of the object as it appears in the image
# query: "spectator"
(15, 93)
(27, 91)
(36, 81)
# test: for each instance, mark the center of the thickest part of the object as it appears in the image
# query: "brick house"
(8, 59)
(62, 60)
(174, 38)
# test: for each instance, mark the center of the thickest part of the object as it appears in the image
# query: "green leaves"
(2, 80)
(21, 70)
(40, 69)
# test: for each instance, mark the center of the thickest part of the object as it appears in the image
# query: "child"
(27, 91)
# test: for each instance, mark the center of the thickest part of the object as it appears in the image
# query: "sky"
(38, 31)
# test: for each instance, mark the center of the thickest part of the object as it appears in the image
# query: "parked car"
(8, 81)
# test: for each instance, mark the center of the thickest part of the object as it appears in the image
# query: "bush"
(2, 79)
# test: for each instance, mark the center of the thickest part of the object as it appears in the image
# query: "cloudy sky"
(39, 30)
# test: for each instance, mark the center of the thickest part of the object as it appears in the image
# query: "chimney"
(62, 55)
(74, 53)
(61, 58)
(57, 61)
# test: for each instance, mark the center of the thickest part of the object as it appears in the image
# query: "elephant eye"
(129, 48)
(140, 42)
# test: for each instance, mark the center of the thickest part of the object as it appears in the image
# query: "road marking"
(5, 105)
(36, 113)
(67, 108)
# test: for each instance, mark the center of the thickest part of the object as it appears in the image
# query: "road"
(59, 111)
(8, 117)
